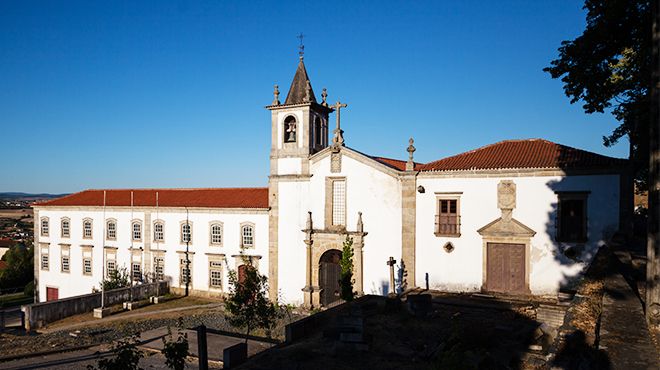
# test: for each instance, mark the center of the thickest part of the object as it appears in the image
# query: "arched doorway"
(329, 275)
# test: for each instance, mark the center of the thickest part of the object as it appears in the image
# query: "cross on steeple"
(301, 48)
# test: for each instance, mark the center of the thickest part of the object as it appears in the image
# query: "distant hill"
(29, 196)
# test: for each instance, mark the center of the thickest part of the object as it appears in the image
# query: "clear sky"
(98, 94)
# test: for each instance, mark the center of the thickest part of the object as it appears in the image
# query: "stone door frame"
(526, 241)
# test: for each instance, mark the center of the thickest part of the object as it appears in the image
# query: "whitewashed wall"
(75, 283)
(461, 270)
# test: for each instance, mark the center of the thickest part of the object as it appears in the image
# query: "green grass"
(13, 300)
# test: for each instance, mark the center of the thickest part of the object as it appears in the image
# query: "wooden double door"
(505, 271)
(329, 276)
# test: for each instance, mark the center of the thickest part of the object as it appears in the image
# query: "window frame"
(91, 228)
(159, 275)
(160, 223)
(216, 266)
(244, 226)
(84, 267)
(582, 196)
(45, 227)
(181, 233)
(447, 197)
(330, 203)
(68, 227)
(182, 267)
(137, 223)
(220, 225)
(108, 222)
(65, 253)
(137, 270)
(44, 266)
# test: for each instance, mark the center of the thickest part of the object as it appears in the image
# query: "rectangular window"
(87, 266)
(44, 227)
(111, 231)
(44, 261)
(448, 219)
(248, 236)
(572, 217)
(158, 232)
(185, 271)
(215, 274)
(339, 203)
(110, 267)
(65, 263)
(137, 271)
(159, 267)
(137, 231)
(65, 228)
(216, 234)
(87, 229)
(185, 233)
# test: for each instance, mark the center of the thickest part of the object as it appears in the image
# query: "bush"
(29, 289)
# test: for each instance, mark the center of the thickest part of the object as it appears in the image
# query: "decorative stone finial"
(338, 138)
(360, 225)
(324, 96)
(308, 92)
(309, 225)
(410, 165)
(276, 96)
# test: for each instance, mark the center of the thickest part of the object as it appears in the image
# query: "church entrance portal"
(329, 275)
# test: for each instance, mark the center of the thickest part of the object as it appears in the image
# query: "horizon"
(154, 95)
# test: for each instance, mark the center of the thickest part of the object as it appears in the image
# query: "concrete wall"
(40, 314)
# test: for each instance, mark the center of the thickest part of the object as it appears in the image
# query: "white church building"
(517, 217)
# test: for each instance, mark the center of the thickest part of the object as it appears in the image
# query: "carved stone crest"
(506, 195)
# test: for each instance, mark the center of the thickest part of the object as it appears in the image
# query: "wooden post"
(202, 349)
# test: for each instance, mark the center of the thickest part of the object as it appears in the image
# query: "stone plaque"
(506, 194)
(335, 162)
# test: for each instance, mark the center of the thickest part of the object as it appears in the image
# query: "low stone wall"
(40, 314)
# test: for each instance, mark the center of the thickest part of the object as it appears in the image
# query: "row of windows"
(570, 221)
(215, 230)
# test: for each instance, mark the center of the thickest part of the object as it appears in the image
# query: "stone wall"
(40, 314)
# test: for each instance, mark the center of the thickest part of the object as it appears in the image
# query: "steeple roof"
(298, 87)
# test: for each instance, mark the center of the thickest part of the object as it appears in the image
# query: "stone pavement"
(624, 335)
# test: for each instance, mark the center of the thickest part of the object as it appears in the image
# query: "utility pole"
(187, 235)
(653, 246)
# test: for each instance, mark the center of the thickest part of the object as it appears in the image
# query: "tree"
(608, 68)
(20, 267)
(346, 275)
(117, 278)
(176, 351)
(247, 302)
(127, 356)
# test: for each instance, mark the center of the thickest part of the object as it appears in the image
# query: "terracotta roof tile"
(212, 198)
(528, 153)
(395, 163)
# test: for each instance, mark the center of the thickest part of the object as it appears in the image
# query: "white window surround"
(247, 235)
(215, 274)
(215, 233)
(44, 226)
(65, 227)
(111, 229)
(159, 231)
(87, 228)
(136, 230)
(185, 231)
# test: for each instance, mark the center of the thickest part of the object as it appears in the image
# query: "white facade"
(320, 191)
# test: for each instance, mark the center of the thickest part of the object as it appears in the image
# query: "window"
(111, 230)
(247, 236)
(159, 267)
(110, 267)
(318, 131)
(159, 234)
(290, 129)
(339, 203)
(65, 263)
(65, 228)
(137, 231)
(447, 218)
(216, 234)
(186, 231)
(137, 271)
(87, 228)
(185, 271)
(44, 226)
(87, 266)
(215, 274)
(44, 260)
(572, 217)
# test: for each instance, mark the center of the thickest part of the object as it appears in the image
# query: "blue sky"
(171, 93)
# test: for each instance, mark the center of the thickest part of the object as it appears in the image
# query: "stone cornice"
(153, 209)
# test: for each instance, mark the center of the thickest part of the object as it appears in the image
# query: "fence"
(39, 314)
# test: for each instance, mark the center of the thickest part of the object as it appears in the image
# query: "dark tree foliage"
(117, 278)
(20, 267)
(346, 276)
(247, 302)
(608, 68)
(127, 356)
(175, 351)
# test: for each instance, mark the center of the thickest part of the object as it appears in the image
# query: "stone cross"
(410, 165)
(338, 139)
(391, 262)
(276, 96)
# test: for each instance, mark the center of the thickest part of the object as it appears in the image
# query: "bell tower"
(299, 126)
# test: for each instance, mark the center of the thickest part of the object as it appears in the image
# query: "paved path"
(138, 314)
(623, 332)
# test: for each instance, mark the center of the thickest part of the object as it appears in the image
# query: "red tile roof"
(212, 198)
(394, 163)
(528, 153)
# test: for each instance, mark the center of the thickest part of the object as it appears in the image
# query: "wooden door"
(241, 273)
(506, 268)
(52, 294)
(329, 275)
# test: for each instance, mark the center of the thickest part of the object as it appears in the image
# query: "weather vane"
(301, 53)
